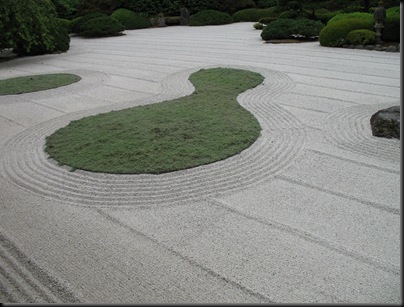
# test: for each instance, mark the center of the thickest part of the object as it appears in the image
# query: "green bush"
(391, 31)
(284, 28)
(131, 20)
(265, 4)
(290, 14)
(60, 41)
(101, 26)
(356, 15)
(210, 17)
(232, 6)
(267, 20)
(168, 7)
(65, 8)
(307, 27)
(76, 24)
(334, 33)
(325, 17)
(61, 35)
(361, 37)
(254, 14)
(258, 26)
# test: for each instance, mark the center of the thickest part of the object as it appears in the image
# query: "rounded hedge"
(210, 17)
(267, 20)
(254, 14)
(334, 34)
(284, 28)
(131, 20)
(361, 37)
(75, 25)
(278, 29)
(101, 26)
(258, 26)
(355, 15)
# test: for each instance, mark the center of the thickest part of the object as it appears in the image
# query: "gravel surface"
(310, 213)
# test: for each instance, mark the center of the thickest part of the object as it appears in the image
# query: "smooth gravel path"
(310, 213)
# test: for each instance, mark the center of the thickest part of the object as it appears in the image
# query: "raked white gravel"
(310, 213)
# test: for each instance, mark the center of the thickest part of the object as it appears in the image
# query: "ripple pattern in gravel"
(26, 164)
(349, 129)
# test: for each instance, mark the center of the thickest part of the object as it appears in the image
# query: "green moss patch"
(206, 126)
(35, 83)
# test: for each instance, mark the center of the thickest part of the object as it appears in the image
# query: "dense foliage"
(361, 37)
(31, 27)
(168, 7)
(76, 24)
(355, 15)
(254, 14)
(391, 31)
(131, 20)
(334, 34)
(101, 26)
(284, 28)
(66, 8)
(210, 17)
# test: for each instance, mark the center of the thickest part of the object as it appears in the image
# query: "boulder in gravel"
(386, 123)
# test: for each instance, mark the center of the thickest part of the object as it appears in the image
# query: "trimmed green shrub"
(277, 29)
(210, 17)
(361, 37)
(307, 27)
(131, 20)
(334, 33)
(356, 15)
(254, 14)
(76, 24)
(284, 28)
(101, 26)
(258, 26)
(391, 31)
(267, 20)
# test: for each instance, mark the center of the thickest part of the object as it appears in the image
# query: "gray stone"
(184, 18)
(158, 21)
(378, 48)
(359, 47)
(391, 49)
(351, 46)
(369, 47)
(386, 123)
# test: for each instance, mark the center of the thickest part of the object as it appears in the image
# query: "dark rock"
(391, 49)
(359, 47)
(184, 19)
(351, 46)
(369, 47)
(386, 123)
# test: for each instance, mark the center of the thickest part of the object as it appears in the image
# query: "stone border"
(391, 48)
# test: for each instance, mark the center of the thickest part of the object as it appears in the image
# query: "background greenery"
(31, 27)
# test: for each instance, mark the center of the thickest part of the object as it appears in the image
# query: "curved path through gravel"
(310, 213)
